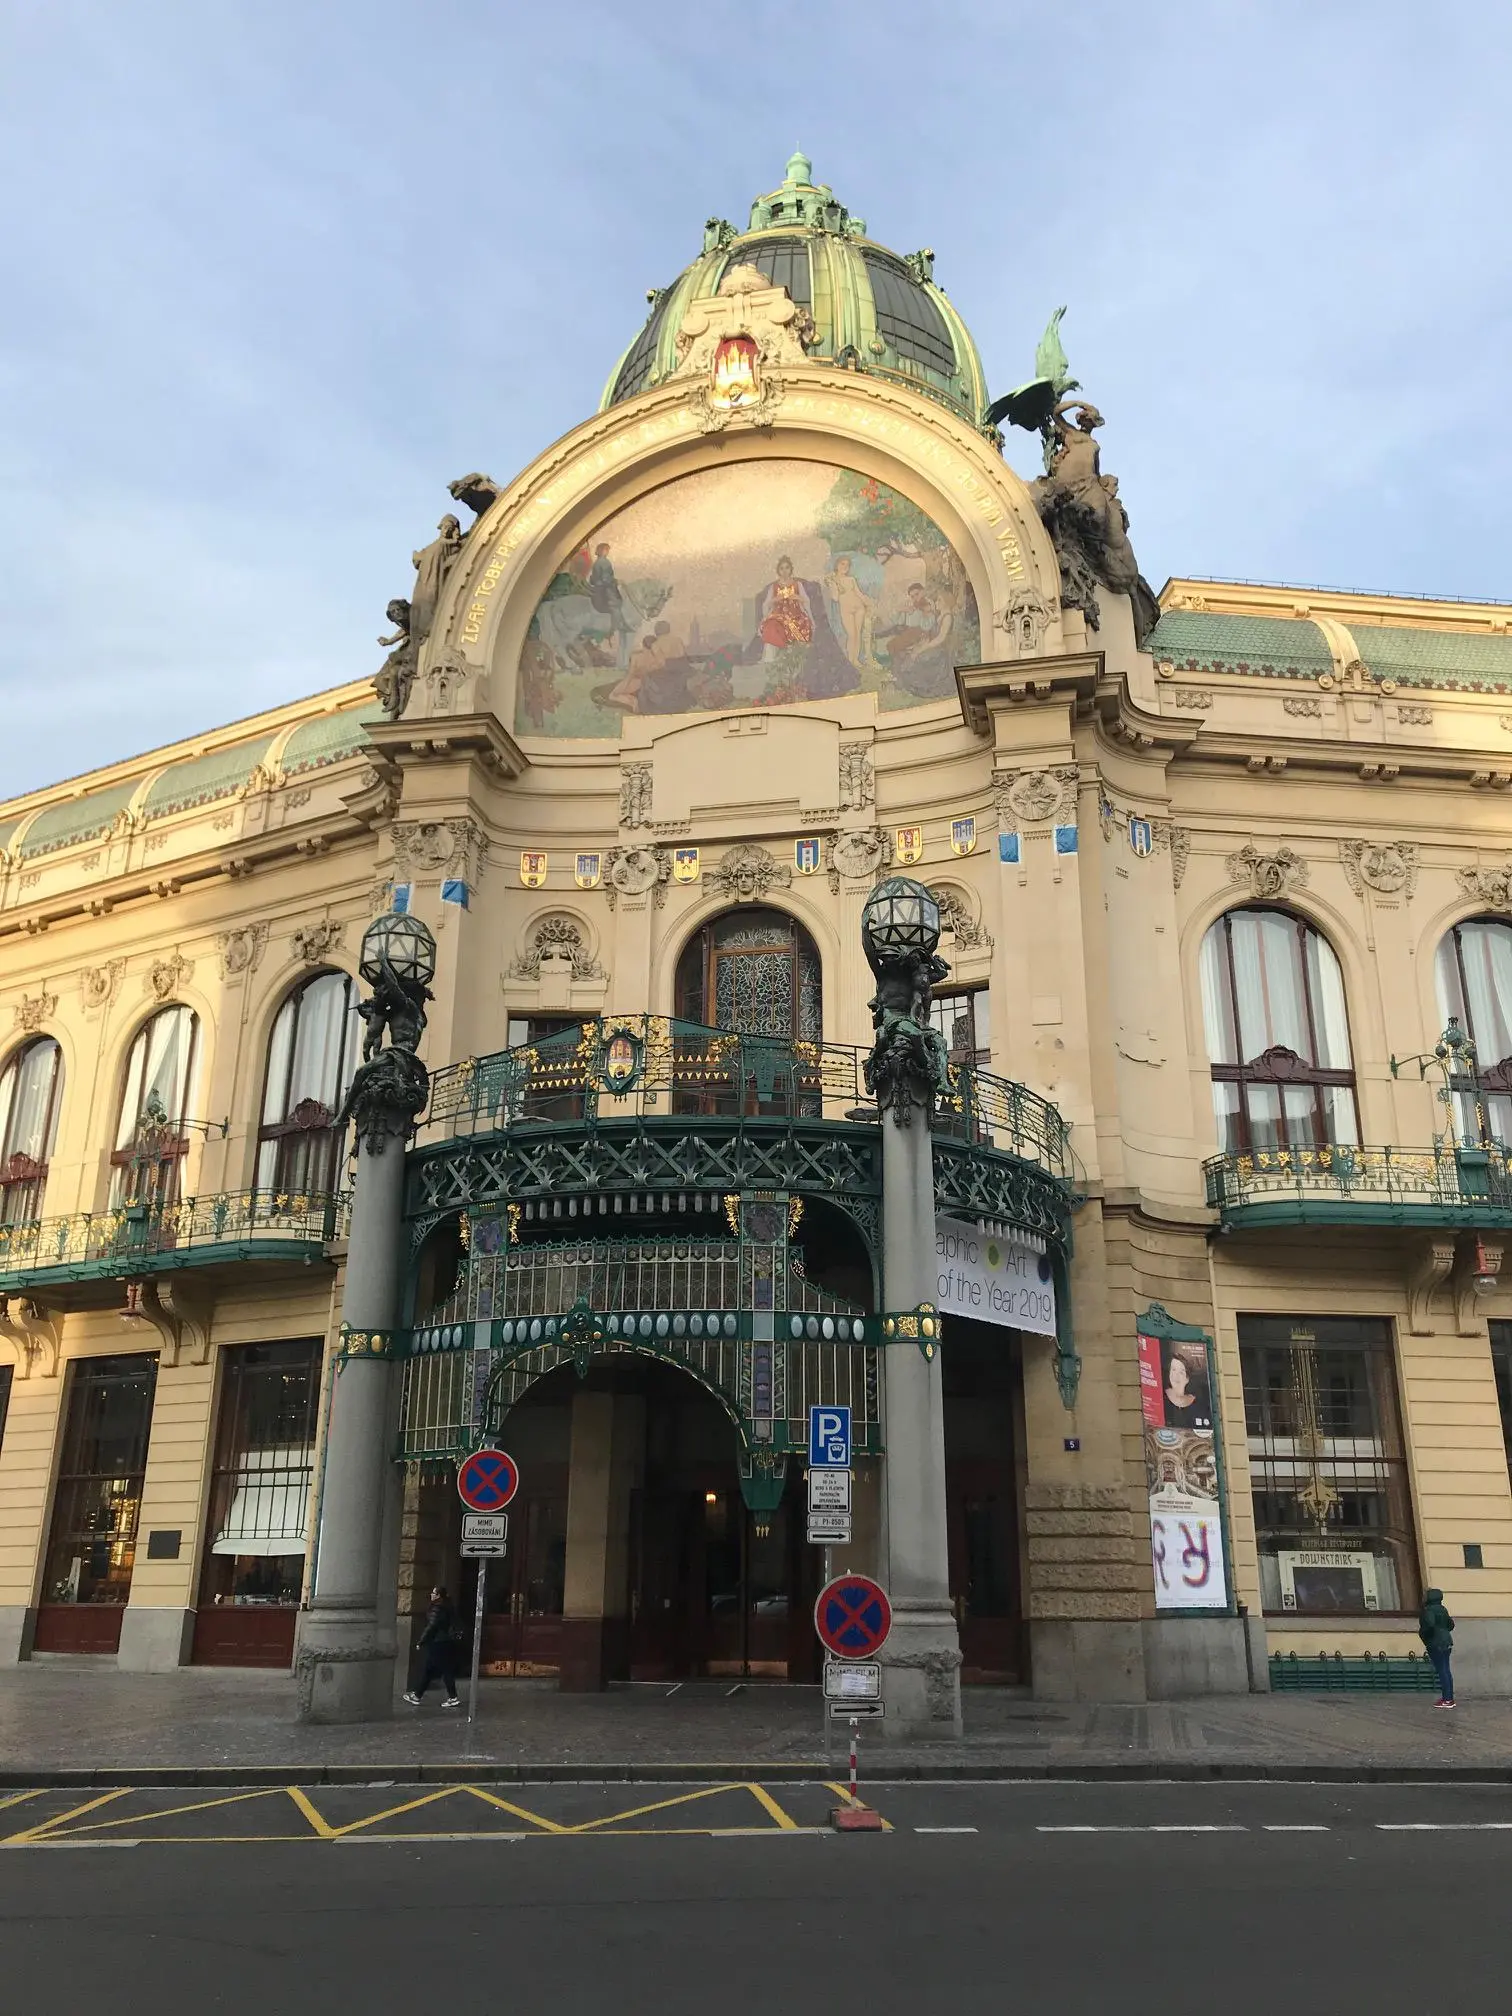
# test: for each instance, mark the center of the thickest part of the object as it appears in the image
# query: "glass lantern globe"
(901, 919)
(404, 943)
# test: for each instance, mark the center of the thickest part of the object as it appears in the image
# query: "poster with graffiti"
(1186, 1510)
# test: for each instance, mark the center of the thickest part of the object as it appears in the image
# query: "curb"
(785, 1772)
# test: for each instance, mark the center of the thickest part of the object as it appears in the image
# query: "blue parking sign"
(829, 1438)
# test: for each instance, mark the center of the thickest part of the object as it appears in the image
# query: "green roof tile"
(327, 739)
(1272, 647)
(76, 820)
(204, 778)
(1436, 658)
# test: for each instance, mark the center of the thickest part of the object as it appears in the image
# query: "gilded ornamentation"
(859, 856)
(635, 795)
(32, 1010)
(166, 976)
(1269, 876)
(98, 983)
(1491, 886)
(557, 937)
(1389, 867)
(734, 340)
(310, 943)
(747, 873)
(857, 782)
(240, 950)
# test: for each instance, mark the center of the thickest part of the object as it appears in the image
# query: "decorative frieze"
(1490, 886)
(1390, 867)
(436, 847)
(858, 856)
(635, 795)
(165, 977)
(1304, 705)
(98, 983)
(636, 871)
(1268, 876)
(857, 779)
(1037, 797)
(311, 943)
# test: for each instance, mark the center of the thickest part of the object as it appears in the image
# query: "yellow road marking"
(658, 1806)
(62, 1819)
(16, 1798)
(843, 1792)
(765, 1800)
(322, 1827)
(519, 1812)
(393, 1812)
(175, 1812)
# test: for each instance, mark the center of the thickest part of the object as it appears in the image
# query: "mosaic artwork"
(752, 586)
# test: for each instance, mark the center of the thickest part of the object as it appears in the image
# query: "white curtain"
(1486, 949)
(28, 1109)
(160, 1062)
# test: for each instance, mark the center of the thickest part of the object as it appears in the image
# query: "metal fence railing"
(113, 1241)
(1439, 1175)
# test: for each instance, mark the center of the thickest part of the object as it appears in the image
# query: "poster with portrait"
(1181, 1464)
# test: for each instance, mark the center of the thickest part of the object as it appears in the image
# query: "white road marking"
(1175, 1829)
(1296, 1827)
(945, 1830)
(1443, 1826)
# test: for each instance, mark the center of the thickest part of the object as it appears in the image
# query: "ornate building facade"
(1225, 892)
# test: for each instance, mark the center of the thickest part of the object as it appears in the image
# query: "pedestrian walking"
(438, 1642)
(1436, 1629)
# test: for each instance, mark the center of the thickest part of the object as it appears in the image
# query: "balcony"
(1429, 1188)
(227, 1227)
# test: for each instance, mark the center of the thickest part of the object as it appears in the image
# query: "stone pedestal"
(344, 1661)
(921, 1661)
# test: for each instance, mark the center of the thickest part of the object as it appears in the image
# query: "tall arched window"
(31, 1092)
(1474, 972)
(1277, 1034)
(756, 971)
(150, 1141)
(311, 1057)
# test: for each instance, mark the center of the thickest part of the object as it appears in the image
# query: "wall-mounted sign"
(1181, 1465)
(995, 1279)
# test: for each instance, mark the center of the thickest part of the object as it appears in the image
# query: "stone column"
(345, 1662)
(921, 1661)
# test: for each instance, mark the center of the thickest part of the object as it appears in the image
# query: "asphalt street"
(1158, 1898)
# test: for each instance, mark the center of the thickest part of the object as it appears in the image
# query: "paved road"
(1158, 1898)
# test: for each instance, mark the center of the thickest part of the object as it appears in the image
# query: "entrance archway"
(982, 1369)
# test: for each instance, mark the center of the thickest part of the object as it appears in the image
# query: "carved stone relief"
(1268, 876)
(958, 916)
(166, 976)
(1415, 717)
(98, 983)
(1026, 620)
(310, 943)
(747, 873)
(32, 1010)
(239, 951)
(860, 856)
(557, 937)
(1297, 703)
(857, 782)
(1390, 867)
(429, 847)
(633, 871)
(1037, 796)
(635, 795)
(1491, 886)
(1194, 700)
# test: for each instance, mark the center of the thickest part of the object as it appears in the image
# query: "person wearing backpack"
(1436, 1629)
(438, 1642)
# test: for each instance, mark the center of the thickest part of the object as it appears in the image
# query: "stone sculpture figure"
(390, 1081)
(477, 492)
(908, 1065)
(1086, 520)
(396, 676)
(432, 565)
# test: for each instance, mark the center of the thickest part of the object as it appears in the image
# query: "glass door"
(91, 1546)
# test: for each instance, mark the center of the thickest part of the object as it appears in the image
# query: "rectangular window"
(1501, 1365)
(260, 1489)
(962, 1019)
(92, 1545)
(1333, 1513)
(553, 1089)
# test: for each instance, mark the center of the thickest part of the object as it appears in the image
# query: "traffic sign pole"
(477, 1658)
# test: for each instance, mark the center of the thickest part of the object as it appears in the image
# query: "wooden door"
(522, 1624)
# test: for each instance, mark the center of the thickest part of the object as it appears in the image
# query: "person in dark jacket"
(1436, 1629)
(438, 1644)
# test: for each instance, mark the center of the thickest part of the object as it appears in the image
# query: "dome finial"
(800, 170)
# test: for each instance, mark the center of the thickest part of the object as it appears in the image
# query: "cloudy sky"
(275, 272)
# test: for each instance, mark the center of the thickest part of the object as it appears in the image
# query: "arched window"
(1277, 1034)
(756, 971)
(150, 1141)
(31, 1092)
(1474, 972)
(311, 1057)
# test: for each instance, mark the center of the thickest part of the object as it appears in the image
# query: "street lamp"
(901, 920)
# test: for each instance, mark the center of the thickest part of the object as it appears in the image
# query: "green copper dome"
(871, 309)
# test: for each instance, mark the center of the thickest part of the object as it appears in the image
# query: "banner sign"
(993, 1278)
(1181, 1464)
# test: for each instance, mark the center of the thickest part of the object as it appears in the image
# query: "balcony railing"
(152, 1238)
(630, 1067)
(1350, 1185)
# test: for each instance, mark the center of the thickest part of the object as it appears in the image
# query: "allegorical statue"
(909, 1065)
(1079, 505)
(390, 1086)
(396, 676)
(477, 491)
(432, 565)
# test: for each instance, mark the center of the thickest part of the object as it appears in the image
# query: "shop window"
(92, 1544)
(553, 1089)
(756, 972)
(1501, 1365)
(31, 1092)
(150, 1141)
(963, 1021)
(312, 1054)
(1277, 1034)
(260, 1487)
(1474, 974)
(1333, 1517)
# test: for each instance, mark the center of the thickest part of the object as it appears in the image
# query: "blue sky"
(275, 273)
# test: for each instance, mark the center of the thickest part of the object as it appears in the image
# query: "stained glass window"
(756, 972)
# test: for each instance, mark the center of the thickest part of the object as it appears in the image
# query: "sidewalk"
(67, 1725)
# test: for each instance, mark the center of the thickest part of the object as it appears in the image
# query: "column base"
(344, 1668)
(1087, 1659)
(154, 1639)
(18, 1624)
(921, 1675)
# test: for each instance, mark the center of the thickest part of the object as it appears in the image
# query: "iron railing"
(1469, 1184)
(150, 1237)
(628, 1067)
